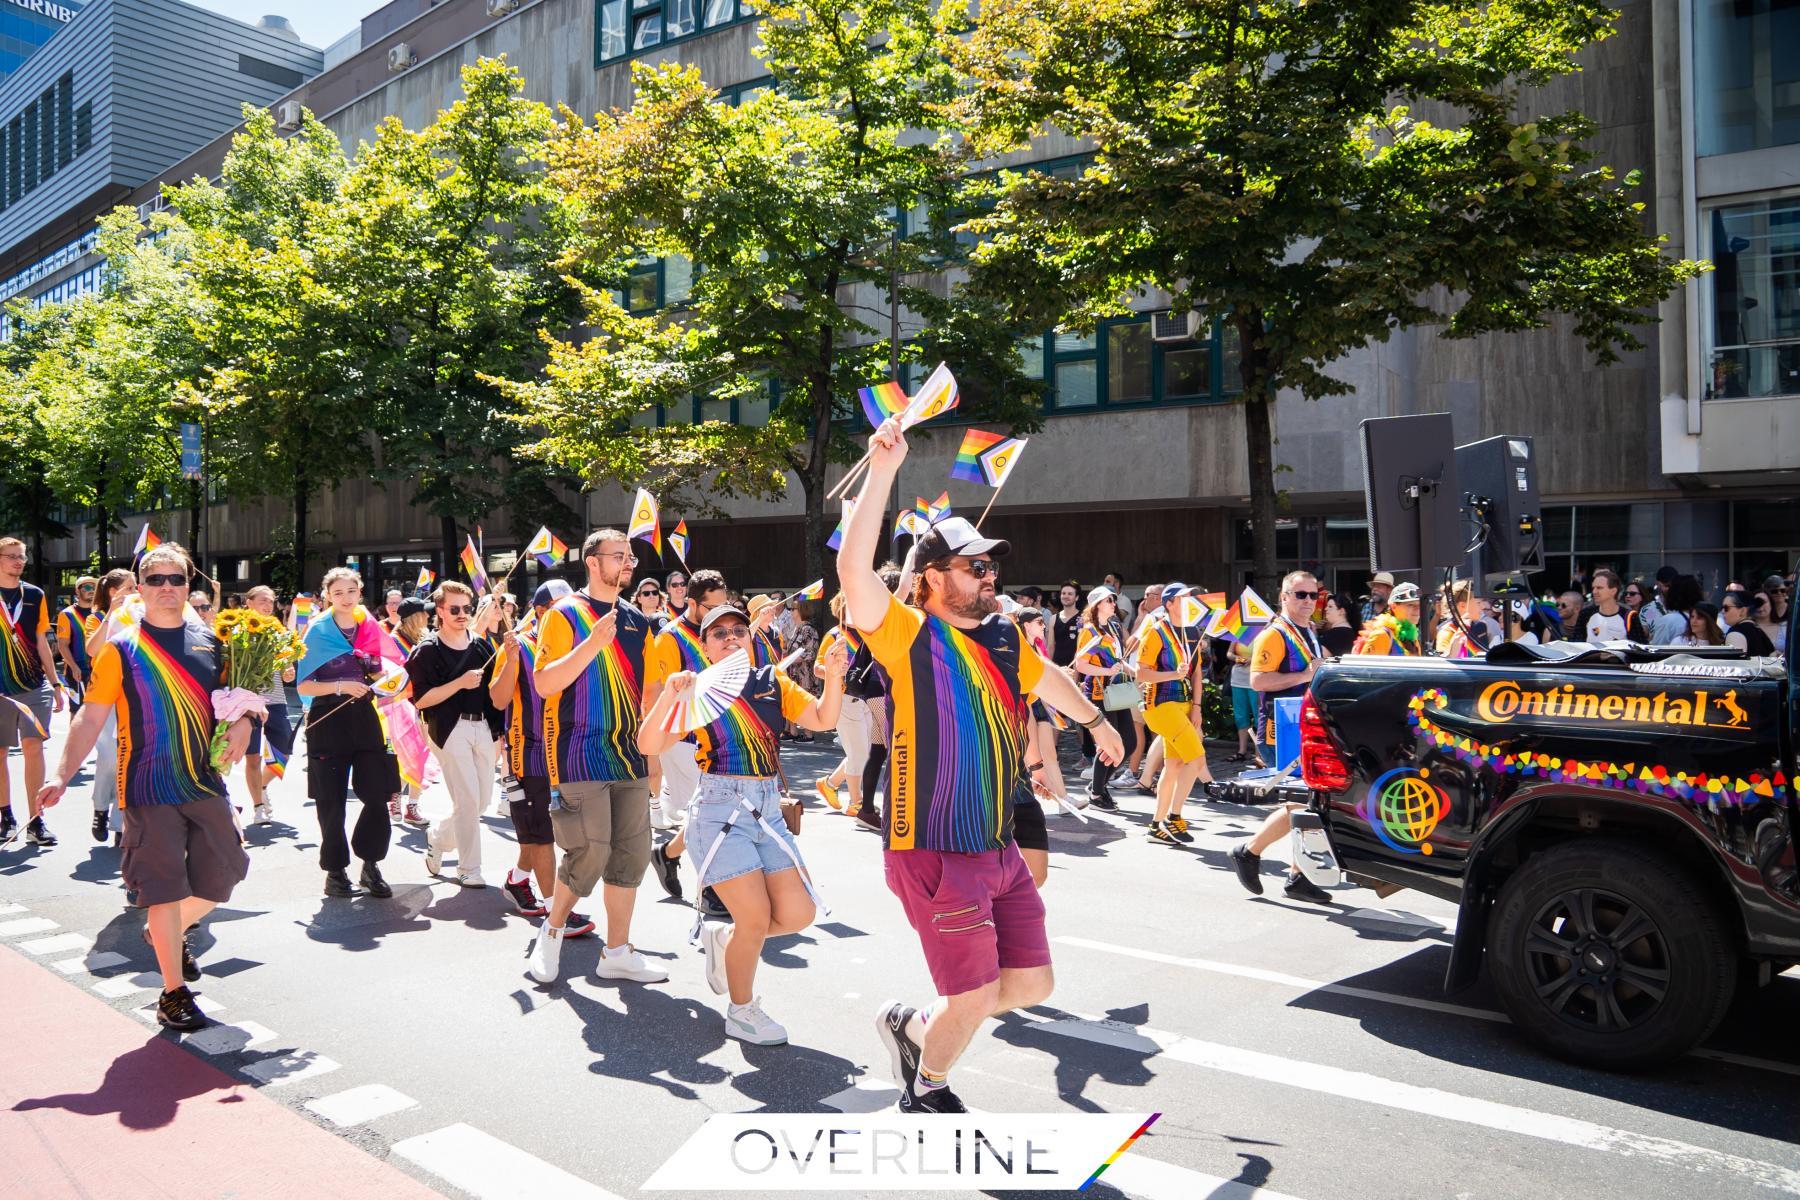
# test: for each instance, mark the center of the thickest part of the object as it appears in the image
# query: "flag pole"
(990, 504)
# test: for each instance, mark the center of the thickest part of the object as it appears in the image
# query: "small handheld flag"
(975, 443)
(546, 547)
(881, 401)
(935, 397)
(678, 540)
(911, 522)
(146, 540)
(1256, 610)
(812, 591)
(303, 611)
(427, 577)
(837, 535)
(939, 509)
(646, 520)
(471, 561)
(998, 462)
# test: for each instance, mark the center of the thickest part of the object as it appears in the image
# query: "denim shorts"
(747, 846)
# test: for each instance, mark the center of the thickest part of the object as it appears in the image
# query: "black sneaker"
(577, 926)
(177, 1010)
(38, 834)
(9, 827)
(712, 907)
(1178, 827)
(374, 884)
(100, 826)
(338, 884)
(870, 817)
(1299, 887)
(1161, 832)
(937, 1100)
(1248, 867)
(668, 870)
(890, 1027)
(524, 898)
(1105, 803)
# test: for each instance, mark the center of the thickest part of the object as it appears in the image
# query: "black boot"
(338, 884)
(374, 883)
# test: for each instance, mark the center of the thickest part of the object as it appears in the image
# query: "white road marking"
(90, 962)
(25, 925)
(361, 1104)
(1299, 983)
(864, 1096)
(227, 1039)
(123, 985)
(490, 1169)
(7, 910)
(1151, 1179)
(60, 943)
(278, 1070)
(1434, 1102)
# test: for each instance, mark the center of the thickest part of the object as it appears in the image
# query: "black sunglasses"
(457, 610)
(1308, 595)
(648, 592)
(980, 568)
(164, 581)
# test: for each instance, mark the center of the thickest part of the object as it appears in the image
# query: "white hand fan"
(712, 693)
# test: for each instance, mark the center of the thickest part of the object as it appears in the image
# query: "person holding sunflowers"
(262, 767)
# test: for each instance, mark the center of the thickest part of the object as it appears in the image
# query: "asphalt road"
(1292, 1050)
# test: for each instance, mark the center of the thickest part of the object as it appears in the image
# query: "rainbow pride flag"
(646, 520)
(678, 540)
(975, 443)
(427, 577)
(274, 758)
(146, 540)
(939, 509)
(812, 591)
(303, 612)
(471, 561)
(837, 535)
(546, 547)
(881, 401)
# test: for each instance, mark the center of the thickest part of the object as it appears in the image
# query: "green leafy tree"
(1315, 173)
(281, 345)
(784, 208)
(457, 237)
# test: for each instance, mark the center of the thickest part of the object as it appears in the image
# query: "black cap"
(954, 536)
(412, 606)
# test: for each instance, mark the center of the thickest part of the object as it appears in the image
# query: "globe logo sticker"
(1403, 808)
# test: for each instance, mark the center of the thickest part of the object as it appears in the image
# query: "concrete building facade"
(1686, 452)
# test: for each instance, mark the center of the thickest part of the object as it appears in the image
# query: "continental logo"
(1506, 701)
(900, 794)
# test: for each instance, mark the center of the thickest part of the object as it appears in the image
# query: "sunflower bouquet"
(257, 650)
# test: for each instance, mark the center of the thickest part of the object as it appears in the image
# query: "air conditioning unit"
(499, 8)
(400, 57)
(288, 115)
(1174, 326)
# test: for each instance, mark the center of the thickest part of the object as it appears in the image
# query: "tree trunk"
(1259, 439)
(39, 567)
(103, 521)
(302, 505)
(447, 533)
(815, 536)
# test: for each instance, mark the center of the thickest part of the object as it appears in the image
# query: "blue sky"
(320, 22)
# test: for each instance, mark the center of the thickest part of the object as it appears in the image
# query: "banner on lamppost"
(190, 450)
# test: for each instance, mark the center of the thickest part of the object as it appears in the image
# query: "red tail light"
(1321, 766)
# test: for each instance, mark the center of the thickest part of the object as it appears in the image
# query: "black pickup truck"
(1616, 824)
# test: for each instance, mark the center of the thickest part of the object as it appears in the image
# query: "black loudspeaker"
(1498, 477)
(1410, 488)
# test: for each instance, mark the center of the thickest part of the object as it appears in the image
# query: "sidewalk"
(95, 1103)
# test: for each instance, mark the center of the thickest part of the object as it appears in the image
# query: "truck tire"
(1610, 954)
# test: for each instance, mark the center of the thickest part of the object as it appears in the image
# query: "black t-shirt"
(1756, 642)
(434, 664)
(1063, 637)
(1337, 639)
(31, 613)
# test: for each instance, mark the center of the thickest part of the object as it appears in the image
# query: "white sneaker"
(659, 817)
(1076, 800)
(749, 1023)
(470, 879)
(1087, 772)
(629, 965)
(434, 858)
(263, 815)
(713, 936)
(546, 955)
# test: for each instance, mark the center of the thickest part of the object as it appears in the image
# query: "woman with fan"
(735, 832)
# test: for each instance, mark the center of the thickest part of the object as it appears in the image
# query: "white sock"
(915, 1026)
(620, 952)
(517, 876)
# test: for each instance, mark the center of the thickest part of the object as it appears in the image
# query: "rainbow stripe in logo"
(1116, 1154)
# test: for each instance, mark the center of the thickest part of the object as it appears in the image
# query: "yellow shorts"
(1173, 722)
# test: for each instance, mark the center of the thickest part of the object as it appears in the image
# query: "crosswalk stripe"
(1146, 1178)
(228, 1039)
(361, 1104)
(1299, 983)
(98, 961)
(279, 1070)
(60, 943)
(490, 1169)
(25, 925)
(1434, 1102)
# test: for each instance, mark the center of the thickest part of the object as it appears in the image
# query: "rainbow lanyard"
(1305, 649)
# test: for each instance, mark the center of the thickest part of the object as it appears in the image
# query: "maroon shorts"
(974, 913)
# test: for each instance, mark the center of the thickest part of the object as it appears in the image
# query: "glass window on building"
(1128, 363)
(612, 29)
(1753, 328)
(1746, 75)
(681, 16)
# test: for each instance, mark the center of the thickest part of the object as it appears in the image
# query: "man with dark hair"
(959, 676)
(590, 671)
(183, 851)
(1657, 607)
(1606, 619)
(32, 689)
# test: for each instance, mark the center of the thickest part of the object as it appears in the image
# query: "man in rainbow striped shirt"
(184, 852)
(958, 674)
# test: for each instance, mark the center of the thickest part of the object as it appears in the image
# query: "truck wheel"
(1610, 954)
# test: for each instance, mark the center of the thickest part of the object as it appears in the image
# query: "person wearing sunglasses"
(959, 675)
(71, 639)
(590, 665)
(1169, 670)
(28, 677)
(162, 679)
(449, 673)
(648, 599)
(346, 747)
(741, 847)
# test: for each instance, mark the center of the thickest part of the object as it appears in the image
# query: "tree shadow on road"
(361, 923)
(1080, 1062)
(658, 1040)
